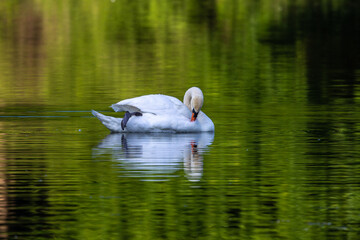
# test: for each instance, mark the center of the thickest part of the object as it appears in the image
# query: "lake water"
(282, 85)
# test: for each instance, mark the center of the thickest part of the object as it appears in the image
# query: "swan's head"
(194, 100)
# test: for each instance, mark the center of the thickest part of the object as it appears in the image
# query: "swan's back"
(155, 103)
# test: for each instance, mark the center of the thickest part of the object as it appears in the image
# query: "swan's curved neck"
(194, 99)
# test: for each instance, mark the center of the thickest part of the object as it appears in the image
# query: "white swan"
(160, 113)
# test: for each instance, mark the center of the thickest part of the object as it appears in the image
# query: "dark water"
(281, 83)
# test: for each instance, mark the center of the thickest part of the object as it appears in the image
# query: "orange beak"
(193, 118)
(194, 115)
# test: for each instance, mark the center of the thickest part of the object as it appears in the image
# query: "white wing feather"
(156, 104)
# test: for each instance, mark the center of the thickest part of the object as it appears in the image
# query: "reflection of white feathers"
(156, 154)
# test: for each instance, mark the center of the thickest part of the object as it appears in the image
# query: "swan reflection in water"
(156, 155)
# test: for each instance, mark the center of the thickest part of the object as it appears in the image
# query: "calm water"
(281, 83)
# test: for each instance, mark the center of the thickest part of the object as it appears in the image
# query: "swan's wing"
(125, 107)
(156, 104)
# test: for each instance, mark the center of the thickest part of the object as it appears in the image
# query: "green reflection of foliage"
(127, 48)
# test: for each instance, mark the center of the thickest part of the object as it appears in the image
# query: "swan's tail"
(111, 123)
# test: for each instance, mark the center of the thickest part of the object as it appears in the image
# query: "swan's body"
(160, 113)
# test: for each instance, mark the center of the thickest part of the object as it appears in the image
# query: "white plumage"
(160, 113)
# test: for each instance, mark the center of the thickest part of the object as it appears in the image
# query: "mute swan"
(160, 113)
